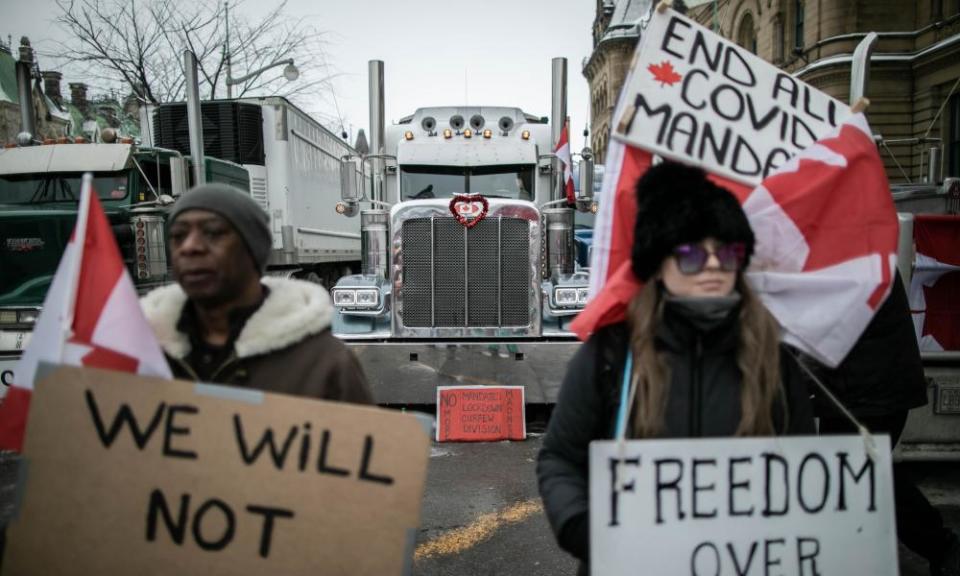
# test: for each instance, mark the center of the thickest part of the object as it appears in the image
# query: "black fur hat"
(678, 204)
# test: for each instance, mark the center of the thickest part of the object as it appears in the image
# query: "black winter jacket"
(704, 400)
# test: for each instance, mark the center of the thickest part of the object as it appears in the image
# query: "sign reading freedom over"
(791, 506)
(133, 475)
(698, 98)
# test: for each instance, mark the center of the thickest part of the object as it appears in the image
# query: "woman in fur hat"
(699, 350)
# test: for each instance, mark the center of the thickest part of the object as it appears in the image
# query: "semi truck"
(285, 160)
(468, 248)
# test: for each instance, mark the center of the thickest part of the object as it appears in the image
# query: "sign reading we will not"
(791, 506)
(132, 475)
(698, 98)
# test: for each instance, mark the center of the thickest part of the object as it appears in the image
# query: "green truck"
(39, 195)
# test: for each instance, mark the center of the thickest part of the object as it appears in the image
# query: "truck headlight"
(345, 297)
(582, 295)
(28, 316)
(355, 298)
(565, 296)
(368, 298)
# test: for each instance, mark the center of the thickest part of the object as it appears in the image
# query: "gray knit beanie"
(249, 219)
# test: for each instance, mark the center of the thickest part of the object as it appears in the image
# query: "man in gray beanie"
(225, 322)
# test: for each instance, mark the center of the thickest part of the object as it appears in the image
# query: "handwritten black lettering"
(229, 525)
(737, 485)
(805, 556)
(867, 469)
(614, 464)
(124, 417)
(365, 473)
(803, 485)
(697, 488)
(277, 454)
(695, 565)
(173, 430)
(768, 462)
(158, 506)
(672, 484)
(266, 533)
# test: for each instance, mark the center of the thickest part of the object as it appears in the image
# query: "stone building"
(915, 69)
(52, 119)
(616, 30)
(54, 115)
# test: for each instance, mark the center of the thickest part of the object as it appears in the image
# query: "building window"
(798, 25)
(953, 164)
(746, 35)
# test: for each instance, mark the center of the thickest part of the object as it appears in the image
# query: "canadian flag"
(826, 232)
(935, 283)
(91, 317)
(563, 153)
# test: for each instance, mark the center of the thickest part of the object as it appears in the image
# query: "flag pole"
(80, 237)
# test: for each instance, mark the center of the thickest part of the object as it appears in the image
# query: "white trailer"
(294, 167)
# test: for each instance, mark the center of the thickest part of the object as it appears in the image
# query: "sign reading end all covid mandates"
(717, 507)
(695, 97)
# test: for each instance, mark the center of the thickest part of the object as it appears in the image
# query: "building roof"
(626, 19)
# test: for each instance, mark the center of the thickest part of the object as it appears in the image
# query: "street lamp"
(290, 71)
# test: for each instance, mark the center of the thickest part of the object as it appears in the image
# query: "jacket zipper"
(193, 374)
(696, 411)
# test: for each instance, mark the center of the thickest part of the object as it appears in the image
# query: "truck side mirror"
(179, 175)
(349, 191)
(586, 174)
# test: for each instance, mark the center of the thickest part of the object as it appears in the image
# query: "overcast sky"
(435, 52)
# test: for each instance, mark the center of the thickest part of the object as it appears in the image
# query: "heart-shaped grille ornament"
(469, 209)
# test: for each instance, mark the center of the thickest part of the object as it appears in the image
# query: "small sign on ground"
(480, 413)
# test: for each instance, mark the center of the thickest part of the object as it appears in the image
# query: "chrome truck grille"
(458, 277)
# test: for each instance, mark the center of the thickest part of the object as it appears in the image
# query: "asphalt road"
(482, 514)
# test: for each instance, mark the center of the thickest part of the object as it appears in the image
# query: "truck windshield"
(514, 182)
(59, 187)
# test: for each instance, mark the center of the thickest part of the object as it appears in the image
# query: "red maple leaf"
(664, 73)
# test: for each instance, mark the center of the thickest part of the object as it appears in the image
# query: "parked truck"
(467, 248)
(39, 195)
(288, 162)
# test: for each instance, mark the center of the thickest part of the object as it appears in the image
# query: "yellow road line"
(461, 539)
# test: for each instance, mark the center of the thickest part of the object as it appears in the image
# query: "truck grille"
(455, 276)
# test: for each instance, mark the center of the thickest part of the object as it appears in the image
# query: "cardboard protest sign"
(132, 475)
(788, 506)
(698, 98)
(480, 413)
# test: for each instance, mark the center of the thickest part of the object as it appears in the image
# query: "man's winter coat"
(703, 400)
(285, 346)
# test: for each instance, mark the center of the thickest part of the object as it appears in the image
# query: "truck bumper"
(410, 372)
(932, 432)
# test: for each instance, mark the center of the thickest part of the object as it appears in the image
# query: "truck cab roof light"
(63, 140)
(408, 135)
(448, 133)
(487, 133)
(525, 134)
(49, 141)
(467, 133)
(79, 140)
(126, 140)
(10, 145)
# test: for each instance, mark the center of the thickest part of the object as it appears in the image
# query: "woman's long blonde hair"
(758, 358)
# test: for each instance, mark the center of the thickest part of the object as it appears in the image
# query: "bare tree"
(139, 44)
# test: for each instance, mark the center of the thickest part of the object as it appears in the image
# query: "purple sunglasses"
(692, 257)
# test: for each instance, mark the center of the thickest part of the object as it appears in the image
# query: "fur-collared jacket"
(285, 346)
